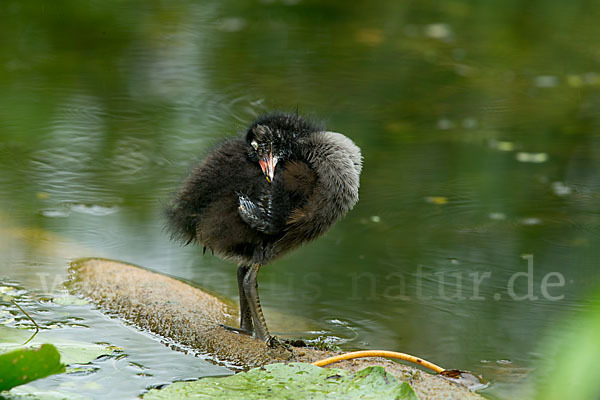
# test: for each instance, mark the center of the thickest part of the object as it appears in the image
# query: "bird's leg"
(251, 290)
(245, 314)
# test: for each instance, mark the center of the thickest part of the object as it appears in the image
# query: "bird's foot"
(296, 342)
(274, 342)
(287, 344)
(236, 330)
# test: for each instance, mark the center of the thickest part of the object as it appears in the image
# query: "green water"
(480, 131)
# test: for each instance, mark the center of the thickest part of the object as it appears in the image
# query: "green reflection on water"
(478, 123)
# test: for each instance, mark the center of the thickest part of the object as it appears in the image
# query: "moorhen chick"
(254, 198)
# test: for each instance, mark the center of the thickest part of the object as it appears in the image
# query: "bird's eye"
(254, 144)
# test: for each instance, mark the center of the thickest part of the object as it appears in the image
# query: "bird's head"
(274, 138)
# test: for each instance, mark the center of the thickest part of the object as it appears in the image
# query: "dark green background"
(105, 105)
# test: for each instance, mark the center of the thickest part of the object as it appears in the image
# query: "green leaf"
(25, 365)
(569, 368)
(292, 381)
(71, 352)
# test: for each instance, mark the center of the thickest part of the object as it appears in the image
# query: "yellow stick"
(379, 353)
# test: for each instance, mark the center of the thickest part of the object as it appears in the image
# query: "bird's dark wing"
(270, 210)
(258, 216)
(218, 176)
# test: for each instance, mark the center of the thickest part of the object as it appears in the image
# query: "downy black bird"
(257, 197)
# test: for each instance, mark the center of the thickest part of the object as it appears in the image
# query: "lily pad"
(71, 352)
(69, 300)
(30, 392)
(292, 381)
(25, 365)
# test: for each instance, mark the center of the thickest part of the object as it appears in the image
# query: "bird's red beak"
(268, 167)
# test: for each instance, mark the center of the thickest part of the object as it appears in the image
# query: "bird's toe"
(236, 330)
(274, 342)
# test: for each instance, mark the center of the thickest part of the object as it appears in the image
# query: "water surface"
(479, 127)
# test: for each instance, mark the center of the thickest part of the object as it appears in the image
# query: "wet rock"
(192, 317)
